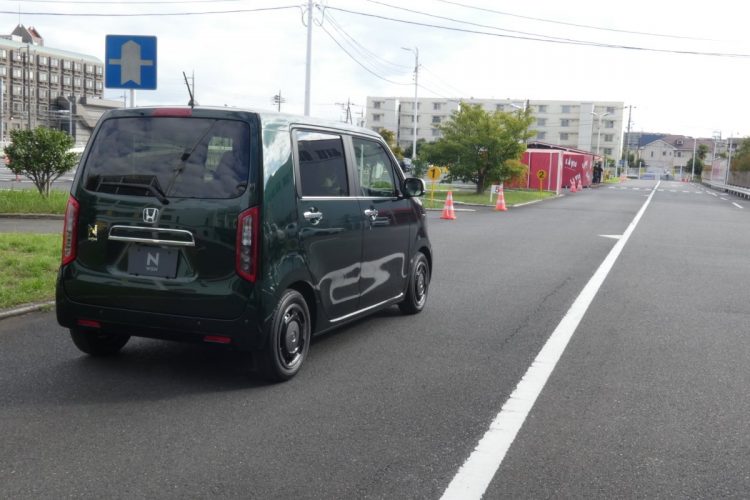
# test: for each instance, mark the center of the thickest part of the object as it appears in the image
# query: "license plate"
(152, 261)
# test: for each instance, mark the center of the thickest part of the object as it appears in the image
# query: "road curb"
(17, 311)
(32, 216)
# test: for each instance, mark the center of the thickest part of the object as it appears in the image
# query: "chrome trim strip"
(153, 241)
(355, 313)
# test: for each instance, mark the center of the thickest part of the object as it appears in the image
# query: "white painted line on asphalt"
(477, 472)
(613, 236)
(724, 199)
(712, 194)
(737, 205)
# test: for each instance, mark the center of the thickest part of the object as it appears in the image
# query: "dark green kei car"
(256, 230)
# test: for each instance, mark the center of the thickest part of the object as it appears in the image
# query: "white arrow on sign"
(130, 63)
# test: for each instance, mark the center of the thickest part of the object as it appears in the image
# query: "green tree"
(700, 155)
(420, 143)
(480, 147)
(741, 159)
(390, 138)
(41, 154)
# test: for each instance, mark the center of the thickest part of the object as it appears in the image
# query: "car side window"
(322, 165)
(374, 168)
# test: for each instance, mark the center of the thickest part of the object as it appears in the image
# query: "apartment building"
(594, 126)
(50, 87)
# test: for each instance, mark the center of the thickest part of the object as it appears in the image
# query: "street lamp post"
(692, 172)
(599, 116)
(416, 85)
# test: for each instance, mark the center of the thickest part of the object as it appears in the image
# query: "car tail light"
(217, 339)
(70, 232)
(247, 244)
(175, 112)
(89, 323)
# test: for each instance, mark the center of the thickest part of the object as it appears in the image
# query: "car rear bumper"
(242, 332)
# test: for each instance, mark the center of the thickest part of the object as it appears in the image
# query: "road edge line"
(474, 476)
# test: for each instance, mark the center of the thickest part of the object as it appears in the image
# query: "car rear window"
(169, 157)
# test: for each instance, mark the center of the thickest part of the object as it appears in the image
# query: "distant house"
(670, 152)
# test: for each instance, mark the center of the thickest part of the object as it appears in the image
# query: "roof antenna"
(191, 103)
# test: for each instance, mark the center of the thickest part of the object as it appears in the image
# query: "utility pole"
(278, 100)
(308, 60)
(347, 107)
(416, 104)
(599, 117)
(729, 163)
(627, 143)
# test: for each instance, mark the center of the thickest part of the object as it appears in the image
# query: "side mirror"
(414, 187)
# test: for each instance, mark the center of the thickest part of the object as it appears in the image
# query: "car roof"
(266, 117)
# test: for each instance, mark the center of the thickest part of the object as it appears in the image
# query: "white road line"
(477, 472)
(724, 199)
(712, 194)
(737, 205)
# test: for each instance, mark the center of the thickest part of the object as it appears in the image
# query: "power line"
(565, 42)
(552, 21)
(155, 14)
(357, 61)
(119, 2)
(363, 51)
(469, 23)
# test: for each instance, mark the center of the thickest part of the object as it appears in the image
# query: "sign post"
(433, 173)
(541, 175)
(130, 63)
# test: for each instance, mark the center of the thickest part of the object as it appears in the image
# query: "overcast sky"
(545, 49)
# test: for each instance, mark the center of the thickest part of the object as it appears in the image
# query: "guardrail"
(740, 191)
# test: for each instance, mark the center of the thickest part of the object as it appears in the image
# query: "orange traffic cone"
(500, 205)
(580, 185)
(448, 212)
(572, 187)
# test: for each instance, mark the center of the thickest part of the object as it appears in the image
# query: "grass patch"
(29, 201)
(512, 197)
(28, 267)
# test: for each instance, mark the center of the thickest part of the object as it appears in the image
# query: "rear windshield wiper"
(137, 185)
(177, 171)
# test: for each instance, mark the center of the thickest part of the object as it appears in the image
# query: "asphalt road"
(649, 399)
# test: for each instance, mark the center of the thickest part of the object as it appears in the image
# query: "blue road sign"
(130, 62)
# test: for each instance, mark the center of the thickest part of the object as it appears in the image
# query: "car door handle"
(371, 213)
(313, 217)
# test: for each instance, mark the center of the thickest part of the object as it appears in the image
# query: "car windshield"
(184, 157)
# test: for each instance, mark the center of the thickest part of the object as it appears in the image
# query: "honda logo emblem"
(150, 215)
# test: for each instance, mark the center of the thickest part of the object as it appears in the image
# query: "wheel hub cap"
(292, 337)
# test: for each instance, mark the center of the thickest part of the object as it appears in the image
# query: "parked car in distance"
(252, 229)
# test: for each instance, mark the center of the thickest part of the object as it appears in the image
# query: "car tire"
(419, 284)
(288, 338)
(98, 342)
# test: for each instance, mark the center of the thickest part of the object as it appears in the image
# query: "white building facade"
(565, 123)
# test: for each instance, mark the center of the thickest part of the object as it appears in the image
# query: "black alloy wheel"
(419, 284)
(288, 338)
